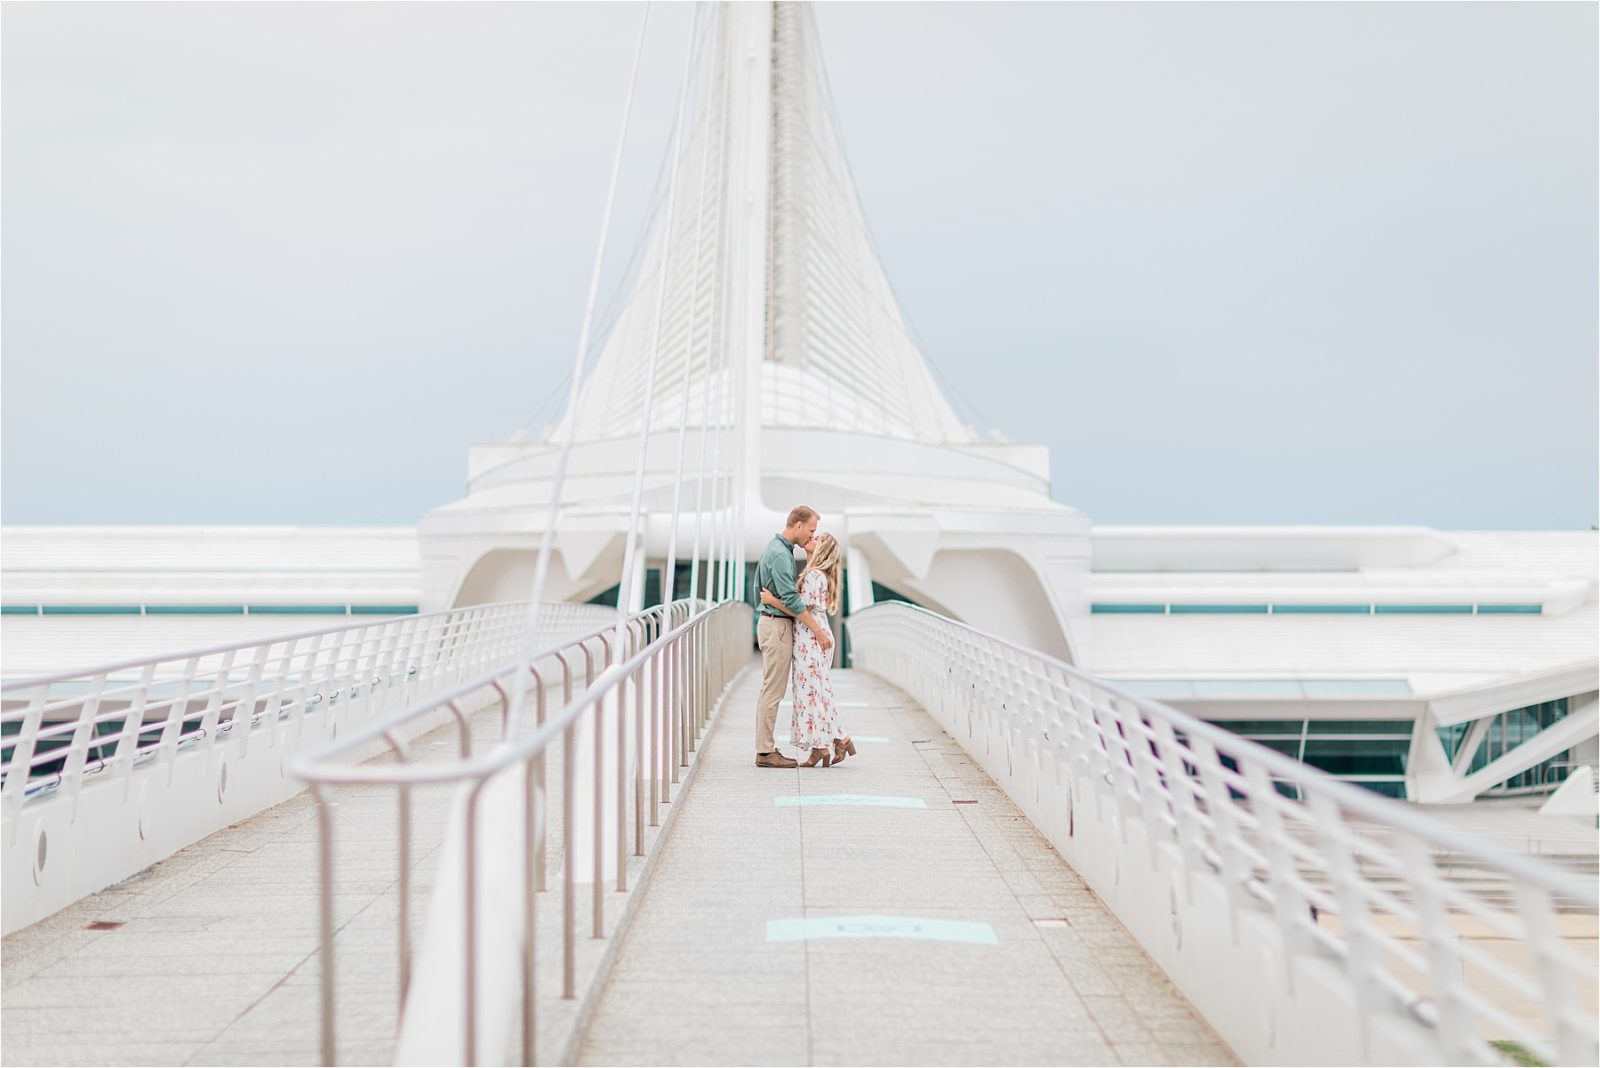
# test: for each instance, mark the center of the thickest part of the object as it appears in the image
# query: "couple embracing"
(797, 644)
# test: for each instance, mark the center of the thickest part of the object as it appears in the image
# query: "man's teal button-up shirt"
(775, 572)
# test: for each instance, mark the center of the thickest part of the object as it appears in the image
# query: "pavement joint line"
(800, 834)
(734, 875)
(966, 817)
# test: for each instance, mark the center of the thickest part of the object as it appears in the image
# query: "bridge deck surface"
(211, 956)
(704, 977)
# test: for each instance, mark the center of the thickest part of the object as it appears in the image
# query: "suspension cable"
(541, 570)
(718, 316)
(630, 567)
(669, 574)
(716, 558)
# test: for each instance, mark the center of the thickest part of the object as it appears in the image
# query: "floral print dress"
(815, 723)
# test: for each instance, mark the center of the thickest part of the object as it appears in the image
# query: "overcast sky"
(1254, 263)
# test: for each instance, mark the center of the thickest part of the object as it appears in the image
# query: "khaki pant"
(776, 638)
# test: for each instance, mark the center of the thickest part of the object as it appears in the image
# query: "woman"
(815, 723)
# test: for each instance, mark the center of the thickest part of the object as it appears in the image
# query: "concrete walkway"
(896, 909)
(211, 956)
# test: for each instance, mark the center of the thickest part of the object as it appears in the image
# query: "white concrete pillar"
(858, 579)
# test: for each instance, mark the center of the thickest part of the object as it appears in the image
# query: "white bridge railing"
(1305, 918)
(210, 731)
(630, 718)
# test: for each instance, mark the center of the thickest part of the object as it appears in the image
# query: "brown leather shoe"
(774, 759)
(839, 750)
(818, 755)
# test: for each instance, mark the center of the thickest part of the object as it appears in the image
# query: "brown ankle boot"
(816, 755)
(839, 750)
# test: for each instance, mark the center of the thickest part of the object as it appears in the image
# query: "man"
(775, 631)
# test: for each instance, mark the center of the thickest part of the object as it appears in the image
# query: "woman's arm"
(771, 601)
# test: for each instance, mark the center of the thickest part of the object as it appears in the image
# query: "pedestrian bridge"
(525, 830)
(571, 857)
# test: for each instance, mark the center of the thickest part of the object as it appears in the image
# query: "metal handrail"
(676, 663)
(520, 608)
(322, 766)
(154, 707)
(1334, 851)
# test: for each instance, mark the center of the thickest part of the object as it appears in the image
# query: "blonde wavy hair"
(828, 560)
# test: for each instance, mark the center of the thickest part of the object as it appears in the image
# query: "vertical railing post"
(1230, 845)
(532, 870)
(1289, 905)
(1363, 953)
(653, 723)
(538, 773)
(328, 1023)
(640, 755)
(596, 710)
(20, 768)
(676, 754)
(669, 774)
(1458, 1025)
(469, 986)
(569, 878)
(82, 737)
(623, 685)
(128, 739)
(685, 732)
(1572, 1028)
(1180, 789)
(244, 712)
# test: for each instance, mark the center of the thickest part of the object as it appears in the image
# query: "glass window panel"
(1219, 609)
(1400, 727)
(194, 609)
(297, 609)
(1388, 788)
(1520, 724)
(91, 609)
(1260, 726)
(1423, 609)
(1358, 756)
(1451, 737)
(1490, 748)
(1321, 609)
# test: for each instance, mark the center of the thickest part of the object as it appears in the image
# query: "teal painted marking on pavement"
(880, 927)
(883, 801)
(783, 739)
